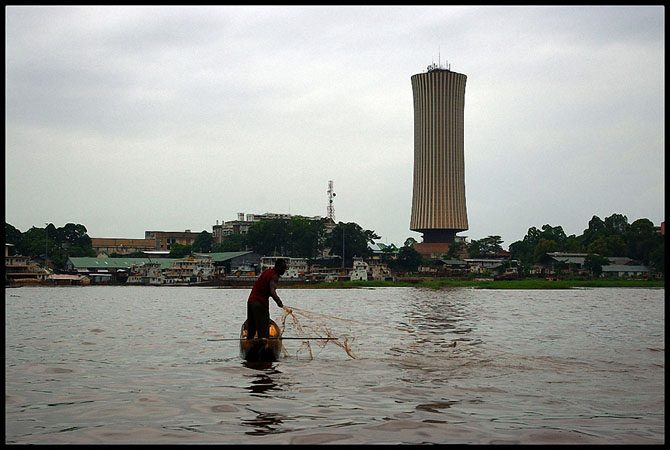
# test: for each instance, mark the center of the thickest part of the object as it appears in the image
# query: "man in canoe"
(258, 304)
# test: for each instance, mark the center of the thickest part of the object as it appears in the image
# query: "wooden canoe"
(259, 349)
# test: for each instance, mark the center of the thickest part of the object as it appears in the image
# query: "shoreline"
(426, 283)
(444, 283)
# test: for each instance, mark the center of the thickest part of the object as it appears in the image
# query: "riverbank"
(430, 283)
(441, 283)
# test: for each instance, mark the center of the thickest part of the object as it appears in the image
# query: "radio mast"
(331, 209)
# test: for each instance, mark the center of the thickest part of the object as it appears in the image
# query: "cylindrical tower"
(438, 200)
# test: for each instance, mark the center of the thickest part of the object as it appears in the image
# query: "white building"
(359, 271)
(295, 267)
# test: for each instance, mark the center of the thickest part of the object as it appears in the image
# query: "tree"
(456, 250)
(12, 235)
(596, 228)
(642, 240)
(232, 243)
(522, 251)
(350, 240)
(35, 242)
(408, 259)
(269, 237)
(657, 257)
(202, 242)
(485, 248)
(595, 263)
(542, 248)
(73, 240)
(616, 224)
(178, 250)
(306, 238)
(388, 252)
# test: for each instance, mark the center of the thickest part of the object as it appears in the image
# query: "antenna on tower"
(331, 209)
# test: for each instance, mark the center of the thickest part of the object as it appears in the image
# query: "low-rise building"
(120, 246)
(624, 270)
(20, 269)
(119, 268)
(147, 273)
(379, 271)
(296, 268)
(191, 269)
(163, 240)
(359, 270)
(229, 262)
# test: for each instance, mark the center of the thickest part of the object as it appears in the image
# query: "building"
(111, 270)
(109, 246)
(625, 270)
(191, 269)
(295, 267)
(20, 269)
(163, 240)
(485, 265)
(438, 197)
(359, 270)
(231, 262)
(154, 241)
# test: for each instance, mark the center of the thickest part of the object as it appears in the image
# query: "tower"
(438, 195)
(330, 210)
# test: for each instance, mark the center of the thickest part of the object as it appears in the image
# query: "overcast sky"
(128, 119)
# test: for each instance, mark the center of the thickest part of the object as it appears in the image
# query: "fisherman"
(258, 305)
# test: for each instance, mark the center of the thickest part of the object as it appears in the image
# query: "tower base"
(432, 249)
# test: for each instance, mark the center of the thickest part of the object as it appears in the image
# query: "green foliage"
(231, 243)
(306, 238)
(296, 237)
(408, 259)
(389, 252)
(268, 237)
(487, 247)
(202, 242)
(610, 237)
(12, 235)
(299, 237)
(352, 240)
(55, 244)
(595, 263)
(178, 250)
(548, 238)
(456, 250)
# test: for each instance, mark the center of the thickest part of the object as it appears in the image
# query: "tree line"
(613, 236)
(302, 238)
(295, 237)
(51, 243)
(298, 237)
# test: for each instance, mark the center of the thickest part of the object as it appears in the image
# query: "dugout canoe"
(259, 349)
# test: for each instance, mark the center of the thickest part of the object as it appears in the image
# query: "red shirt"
(261, 289)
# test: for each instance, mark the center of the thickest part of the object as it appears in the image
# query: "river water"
(87, 365)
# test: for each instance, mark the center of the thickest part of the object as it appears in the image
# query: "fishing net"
(313, 325)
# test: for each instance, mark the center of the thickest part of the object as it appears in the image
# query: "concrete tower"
(438, 199)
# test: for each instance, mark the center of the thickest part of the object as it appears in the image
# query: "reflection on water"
(134, 365)
(262, 382)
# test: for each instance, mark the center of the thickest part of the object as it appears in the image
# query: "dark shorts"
(258, 319)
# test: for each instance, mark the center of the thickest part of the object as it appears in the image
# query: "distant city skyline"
(134, 118)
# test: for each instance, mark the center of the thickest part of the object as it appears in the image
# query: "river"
(106, 364)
